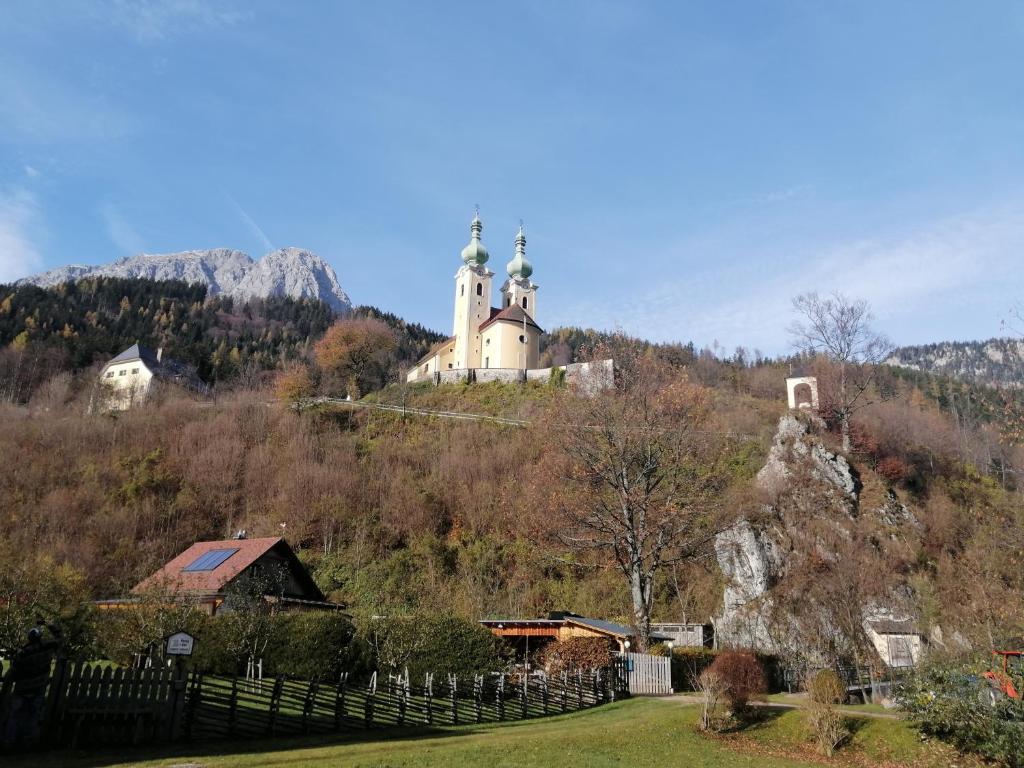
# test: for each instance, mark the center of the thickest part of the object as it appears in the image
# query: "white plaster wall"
(126, 384)
(793, 382)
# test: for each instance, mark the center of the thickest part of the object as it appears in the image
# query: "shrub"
(712, 687)
(826, 723)
(575, 654)
(441, 644)
(954, 704)
(743, 677)
(687, 666)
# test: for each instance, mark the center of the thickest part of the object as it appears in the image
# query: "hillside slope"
(996, 361)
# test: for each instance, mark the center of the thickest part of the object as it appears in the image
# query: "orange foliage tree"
(354, 355)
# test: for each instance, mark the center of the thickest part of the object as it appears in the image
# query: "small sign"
(180, 644)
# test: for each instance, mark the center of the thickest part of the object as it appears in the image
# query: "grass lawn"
(638, 732)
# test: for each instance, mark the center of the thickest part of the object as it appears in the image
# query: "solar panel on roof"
(208, 561)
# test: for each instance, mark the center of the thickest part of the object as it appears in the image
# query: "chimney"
(159, 353)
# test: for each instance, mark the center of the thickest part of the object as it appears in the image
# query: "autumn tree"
(355, 355)
(840, 328)
(638, 484)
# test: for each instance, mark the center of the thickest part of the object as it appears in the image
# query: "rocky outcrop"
(812, 517)
(285, 272)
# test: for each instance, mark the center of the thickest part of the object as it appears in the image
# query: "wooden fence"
(90, 705)
(646, 674)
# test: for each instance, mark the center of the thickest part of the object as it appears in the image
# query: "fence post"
(275, 703)
(453, 687)
(55, 699)
(478, 696)
(565, 691)
(339, 701)
(499, 694)
(403, 696)
(307, 705)
(579, 690)
(233, 707)
(428, 692)
(195, 699)
(371, 691)
(544, 693)
(524, 694)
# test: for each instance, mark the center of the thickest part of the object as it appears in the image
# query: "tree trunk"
(844, 425)
(640, 591)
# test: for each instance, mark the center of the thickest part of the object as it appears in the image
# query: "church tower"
(472, 298)
(519, 289)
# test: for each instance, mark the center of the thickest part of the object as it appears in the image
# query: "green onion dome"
(520, 268)
(474, 254)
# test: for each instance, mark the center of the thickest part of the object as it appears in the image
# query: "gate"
(646, 674)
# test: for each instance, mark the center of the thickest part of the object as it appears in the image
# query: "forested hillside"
(70, 327)
(417, 515)
(996, 361)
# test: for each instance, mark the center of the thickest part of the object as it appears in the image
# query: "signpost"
(180, 644)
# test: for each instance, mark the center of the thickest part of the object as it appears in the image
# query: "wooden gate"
(647, 674)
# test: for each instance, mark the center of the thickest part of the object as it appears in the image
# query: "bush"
(712, 687)
(575, 654)
(955, 704)
(441, 644)
(687, 666)
(826, 723)
(742, 675)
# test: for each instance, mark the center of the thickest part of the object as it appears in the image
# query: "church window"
(479, 289)
(110, 374)
(135, 371)
(487, 342)
(487, 362)
(462, 290)
(524, 302)
(522, 339)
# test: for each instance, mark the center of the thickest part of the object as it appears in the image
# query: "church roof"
(510, 314)
(435, 349)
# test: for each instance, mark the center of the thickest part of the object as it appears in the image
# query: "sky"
(683, 169)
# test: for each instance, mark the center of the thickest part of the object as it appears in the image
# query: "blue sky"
(683, 168)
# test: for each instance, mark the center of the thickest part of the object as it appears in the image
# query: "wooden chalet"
(205, 572)
(528, 635)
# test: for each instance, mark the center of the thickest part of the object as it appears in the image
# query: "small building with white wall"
(802, 392)
(135, 374)
(897, 641)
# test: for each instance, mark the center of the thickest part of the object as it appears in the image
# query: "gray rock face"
(285, 272)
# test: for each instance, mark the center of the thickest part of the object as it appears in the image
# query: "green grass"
(638, 732)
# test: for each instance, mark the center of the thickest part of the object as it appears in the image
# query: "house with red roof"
(207, 570)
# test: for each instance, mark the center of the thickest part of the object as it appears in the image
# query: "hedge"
(689, 661)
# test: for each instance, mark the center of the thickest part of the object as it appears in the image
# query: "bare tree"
(640, 482)
(840, 328)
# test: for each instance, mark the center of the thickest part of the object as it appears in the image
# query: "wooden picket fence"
(646, 673)
(91, 705)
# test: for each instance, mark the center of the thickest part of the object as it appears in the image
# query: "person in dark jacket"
(26, 686)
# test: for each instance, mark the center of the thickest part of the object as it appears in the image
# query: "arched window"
(524, 302)
(479, 289)
(462, 290)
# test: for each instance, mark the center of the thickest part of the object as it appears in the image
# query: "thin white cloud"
(120, 231)
(19, 227)
(32, 172)
(250, 224)
(153, 20)
(952, 277)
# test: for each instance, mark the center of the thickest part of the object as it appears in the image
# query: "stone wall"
(588, 378)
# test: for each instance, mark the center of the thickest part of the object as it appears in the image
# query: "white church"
(488, 343)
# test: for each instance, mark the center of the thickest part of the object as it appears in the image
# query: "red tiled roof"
(513, 314)
(173, 578)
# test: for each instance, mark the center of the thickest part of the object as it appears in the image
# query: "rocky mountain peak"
(293, 272)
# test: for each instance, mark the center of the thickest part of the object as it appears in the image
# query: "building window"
(487, 362)
(522, 339)
(121, 373)
(462, 290)
(110, 374)
(488, 342)
(135, 371)
(479, 289)
(524, 302)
